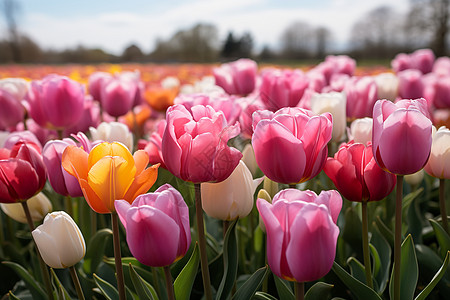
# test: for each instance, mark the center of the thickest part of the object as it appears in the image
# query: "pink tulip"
(11, 112)
(439, 163)
(340, 64)
(441, 95)
(291, 144)
(55, 102)
(441, 66)
(401, 62)
(157, 226)
(410, 84)
(95, 82)
(301, 233)
(249, 106)
(423, 60)
(194, 145)
(18, 136)
(356, 174)
(62, 182)
(41, 133)
(89, 118)
(361, 96)
(282, 88)
(117, 96)
(153, 147)
(238, 77)
(401, 135)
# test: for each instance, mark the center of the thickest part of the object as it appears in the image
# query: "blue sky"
(113, 25)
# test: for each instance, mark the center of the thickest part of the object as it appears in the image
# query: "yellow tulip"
(108, 173)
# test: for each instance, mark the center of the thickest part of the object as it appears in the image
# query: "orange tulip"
(108, 173)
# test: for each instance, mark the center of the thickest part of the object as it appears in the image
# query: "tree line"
(379, 34)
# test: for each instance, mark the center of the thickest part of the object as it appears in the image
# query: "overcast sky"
(114, 25)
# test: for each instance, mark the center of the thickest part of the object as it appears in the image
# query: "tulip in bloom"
(282, 88)
(231, 198)
(113, 132)
(356, 174)
(62, 182)
(59, 240)
(117, 96)
(401, 135)
(441, 92)
(154, 145)
(12, 112)
(411, 84)
(38, 205)
(291, 145)
(360, 130)
(55, 102)
(333, 103)
(108, 173)
(194, 145)
(23, 174)
(301, 233)
(157, 226)
(238, 77)
(439, 163)
(361, 96)
(95, 82)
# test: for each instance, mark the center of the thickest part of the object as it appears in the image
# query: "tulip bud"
(248, 156)
(38, 205)
(231, 198)
(335, 104)
(415, 178)
(271, 187)
(387, 86)
(360, 130)
(59, 240)
(113, 132)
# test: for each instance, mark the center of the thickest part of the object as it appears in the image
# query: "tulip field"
(228, 181)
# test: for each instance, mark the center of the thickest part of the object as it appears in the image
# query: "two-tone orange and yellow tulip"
(108, 173)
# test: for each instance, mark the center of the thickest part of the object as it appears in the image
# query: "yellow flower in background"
(108, 173)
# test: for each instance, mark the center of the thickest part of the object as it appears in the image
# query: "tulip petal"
(142, 183)
(46, 244)
(279, 154)
(122, 207)
(140, 161)
(148, 230)
(75, 161)
(375, 177)
(312, 247)
(109, 149)
(94, 201)
(19, 178)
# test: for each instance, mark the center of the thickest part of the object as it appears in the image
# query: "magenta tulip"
(282, 88)
(401, 135)
(401, 62)
(361, 96)
(20, 136)
(410, 84)
(238, 77)
(301, 233)
(117, 96)
(291, 146)
(62, 182)
(441, 92)
(423, 60)
(11, 112)
(356, 174)
(95, 82)
(441, 66)
(23, 174)
(55, 102)
(157, 226)
(194, 145)
(153, 146)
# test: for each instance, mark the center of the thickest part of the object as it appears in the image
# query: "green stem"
(442, 204)
(202, 242)
(42, 264)
(76, 282)
(117, 256)
(365, 240)
(68, 205)
(155, 280)
(398, 237)
(93, 216)
(169, 284)
(299, 290)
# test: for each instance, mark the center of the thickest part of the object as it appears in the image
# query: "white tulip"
(334, 103)
(387, 86)
(361, 130)
(17, 87)
(248, 157)
(231, 198)
(113, 132)
(39, 206)
(170, 82)
(59, 240)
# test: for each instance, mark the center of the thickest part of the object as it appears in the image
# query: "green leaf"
(385, 231)
(36, 290)
(320, 290)
(359, 289)
(284, 291)
(442, 237)
(351, 233)
(263, 296)
(440, 273)
(407, 200)
(384, 253)
(143, 289)
(409, 271)
(109, 291)
(248, 289)
(429, 263)
(376, 260)
(357, 269)
(12, 296)
(62, 292)
(96, 250)
(230, 263)
(185, 280)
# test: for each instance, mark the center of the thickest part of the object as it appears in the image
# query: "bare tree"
(428, 24)
(10, 9)
(323, 36)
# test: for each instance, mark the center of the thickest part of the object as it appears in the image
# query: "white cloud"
(113, 31)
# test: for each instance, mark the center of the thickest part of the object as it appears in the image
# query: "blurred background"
(202, 31)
